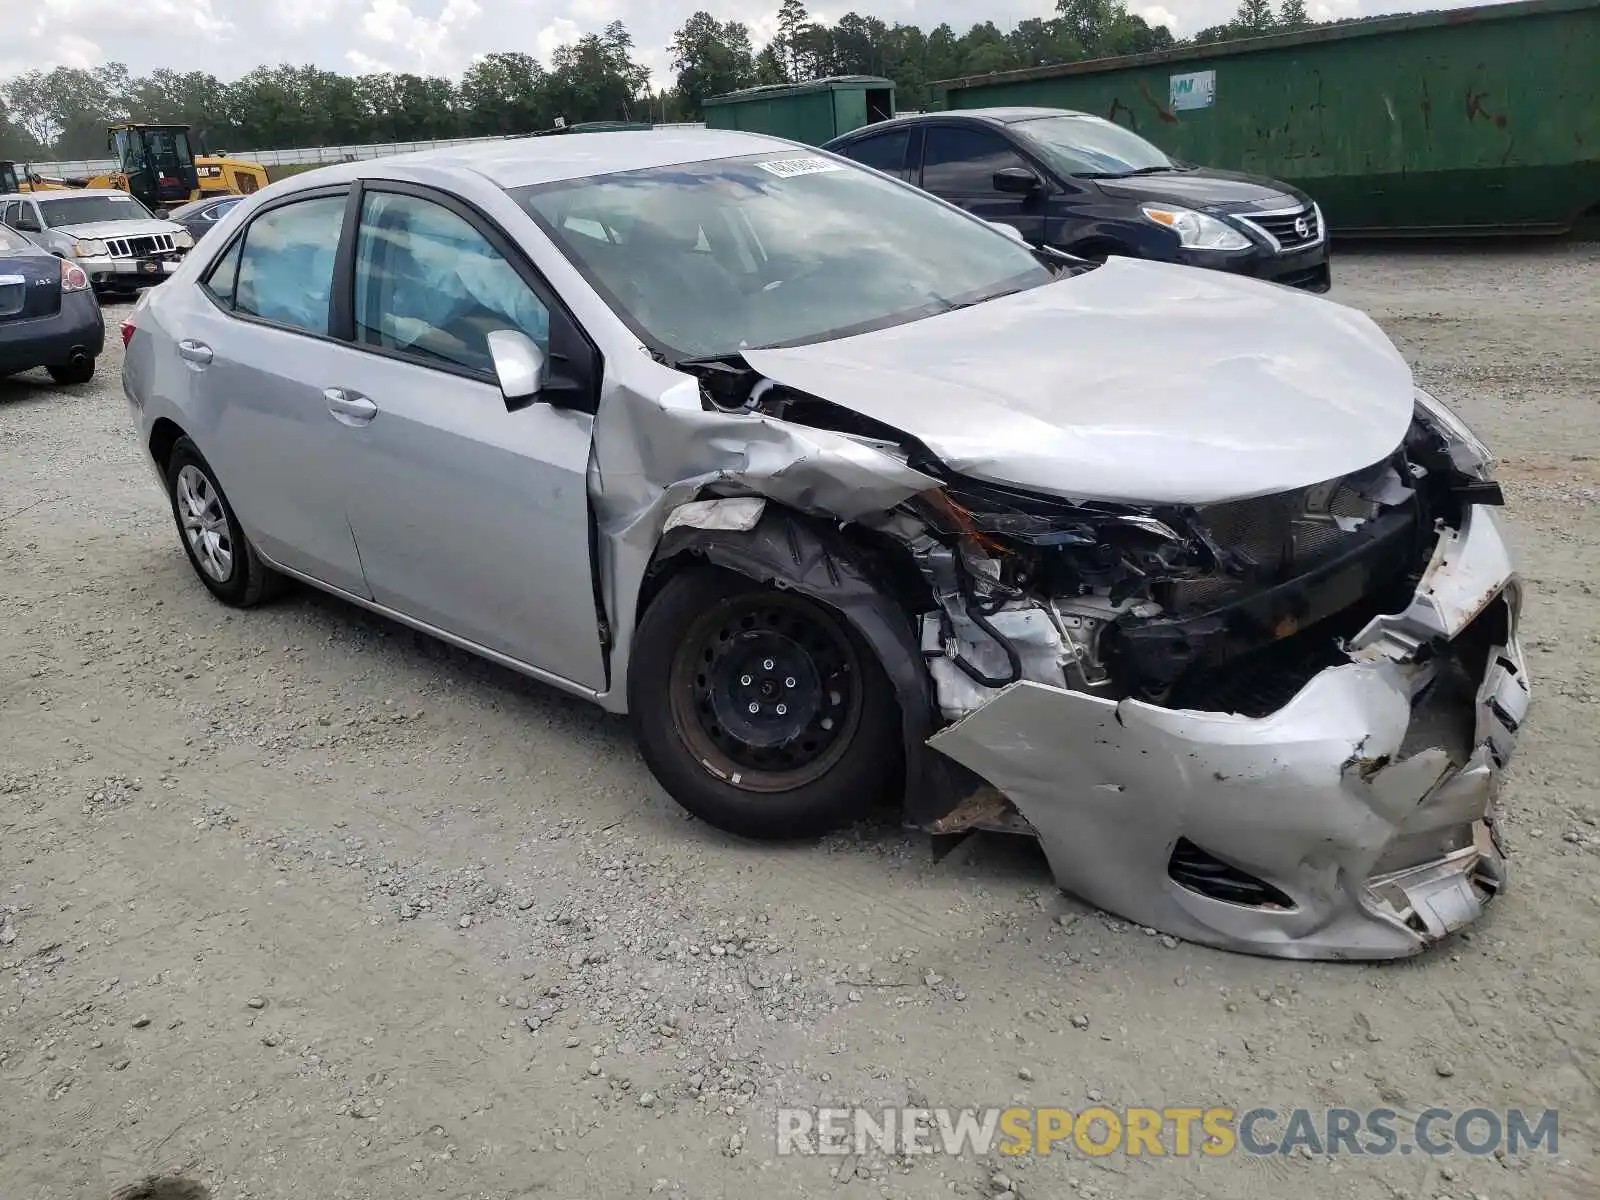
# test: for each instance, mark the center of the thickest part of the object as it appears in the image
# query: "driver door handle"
(193, 351)
(350, 407)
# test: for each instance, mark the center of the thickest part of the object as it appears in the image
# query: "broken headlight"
(1468, 454)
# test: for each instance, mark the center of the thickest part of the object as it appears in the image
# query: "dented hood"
(1136, 382)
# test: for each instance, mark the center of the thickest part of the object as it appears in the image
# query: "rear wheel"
(218, 550)
(761, 711)
(81, 371)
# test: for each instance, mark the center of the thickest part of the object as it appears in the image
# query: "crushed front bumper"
(1353, 823)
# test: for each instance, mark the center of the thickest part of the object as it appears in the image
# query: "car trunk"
(29, 288)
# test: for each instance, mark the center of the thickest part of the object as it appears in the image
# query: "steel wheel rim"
(812, 669)
(204, 523)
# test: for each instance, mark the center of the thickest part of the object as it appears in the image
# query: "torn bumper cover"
(1353, 823)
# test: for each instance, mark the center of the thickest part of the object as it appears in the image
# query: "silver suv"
(119, 243)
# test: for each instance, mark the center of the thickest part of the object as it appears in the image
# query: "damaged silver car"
(842, 492)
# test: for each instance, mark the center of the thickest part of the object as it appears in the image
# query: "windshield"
(1089, 146)
(164, 149)
(13, 241)
(8, 179)
(80, 210)
(710, 258)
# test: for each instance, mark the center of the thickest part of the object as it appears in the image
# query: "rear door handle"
(350, 407)
(195, 352)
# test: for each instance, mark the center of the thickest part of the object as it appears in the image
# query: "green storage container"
(1476, 120)
(813, 112)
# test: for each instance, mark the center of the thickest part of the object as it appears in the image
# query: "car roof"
(520, 162)
(988, 116)
(49, 197)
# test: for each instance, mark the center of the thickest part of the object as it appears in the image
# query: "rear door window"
(285, 272)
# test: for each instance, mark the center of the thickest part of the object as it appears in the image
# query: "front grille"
(1285, 228)
(141, 247)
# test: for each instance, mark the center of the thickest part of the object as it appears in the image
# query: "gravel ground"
(296, 903)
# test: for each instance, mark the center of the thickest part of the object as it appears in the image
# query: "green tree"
(596, 79)
(506, 93)
(66, 110)
(1254, 16)
(1292, 15)
(711, 58)
(794, 42)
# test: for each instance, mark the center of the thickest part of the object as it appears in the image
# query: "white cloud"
(1154, 15)
(75, 51)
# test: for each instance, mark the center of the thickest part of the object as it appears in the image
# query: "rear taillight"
(127, 328)
(72, 277)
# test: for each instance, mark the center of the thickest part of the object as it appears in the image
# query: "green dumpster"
(813, 112)
(1476, 120)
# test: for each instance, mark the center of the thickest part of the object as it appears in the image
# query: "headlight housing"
(1467, 450)
(1196, 230)
(183, 239)
(90, 248)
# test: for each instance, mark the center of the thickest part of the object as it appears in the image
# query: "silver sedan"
(842, 493)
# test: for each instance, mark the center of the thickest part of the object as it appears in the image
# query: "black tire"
(69, 374)
(248, 581)
(699, 629)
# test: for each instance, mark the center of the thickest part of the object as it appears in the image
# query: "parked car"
(1094, 188)
(48, 314)
(199, 217)
(841, 493)
(114, 238)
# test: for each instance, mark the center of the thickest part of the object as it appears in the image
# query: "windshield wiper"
(1122, 174)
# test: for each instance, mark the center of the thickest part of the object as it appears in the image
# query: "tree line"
(63, 113)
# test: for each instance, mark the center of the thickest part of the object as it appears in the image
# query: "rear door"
(260, 349)
(959, 163)
(470, 516)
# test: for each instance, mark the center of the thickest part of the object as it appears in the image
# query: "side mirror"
(1016, 181)
(519, 365)
(162, 214)
(1012, 232)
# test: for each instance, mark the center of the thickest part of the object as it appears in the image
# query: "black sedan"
(49, 316)
(200, 216)
(1093, 188)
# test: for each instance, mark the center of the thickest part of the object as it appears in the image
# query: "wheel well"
(163, 438)
(889, 561)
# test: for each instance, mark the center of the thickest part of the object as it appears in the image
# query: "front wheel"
(760, 711)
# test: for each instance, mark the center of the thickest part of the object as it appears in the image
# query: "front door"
(258, 354)
(470, 517)
(959, 164)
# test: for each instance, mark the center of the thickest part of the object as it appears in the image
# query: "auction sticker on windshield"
(786, 168)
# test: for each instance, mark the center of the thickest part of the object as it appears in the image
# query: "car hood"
(1138, 381)
(1206, 188)
(116, 229)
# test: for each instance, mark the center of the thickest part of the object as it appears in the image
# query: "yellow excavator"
(157, 165)
(13, 181)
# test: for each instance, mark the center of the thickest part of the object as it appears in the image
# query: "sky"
(230, 37)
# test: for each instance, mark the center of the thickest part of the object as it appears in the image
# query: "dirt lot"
(299, 904)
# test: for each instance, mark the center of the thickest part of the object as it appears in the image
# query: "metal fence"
(305, 156)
